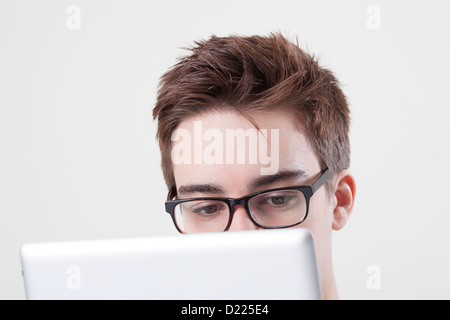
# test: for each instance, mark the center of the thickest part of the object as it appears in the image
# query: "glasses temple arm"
(324, 177)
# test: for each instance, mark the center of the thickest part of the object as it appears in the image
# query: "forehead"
(227, 149)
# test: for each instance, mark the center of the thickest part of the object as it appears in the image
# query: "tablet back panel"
(263, 264)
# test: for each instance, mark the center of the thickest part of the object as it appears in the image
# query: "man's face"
(283, 158)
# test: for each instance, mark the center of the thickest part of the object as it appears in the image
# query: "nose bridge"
(240, 219)
(236, 202)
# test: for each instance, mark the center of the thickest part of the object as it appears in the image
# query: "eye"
(278, 200)
(206, 209)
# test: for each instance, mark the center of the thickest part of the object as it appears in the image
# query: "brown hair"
(250, 74)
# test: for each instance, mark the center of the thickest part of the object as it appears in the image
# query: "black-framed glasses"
(270, 209)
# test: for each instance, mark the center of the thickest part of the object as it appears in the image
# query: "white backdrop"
(78, 157)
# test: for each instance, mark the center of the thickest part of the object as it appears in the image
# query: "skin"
(328, 211)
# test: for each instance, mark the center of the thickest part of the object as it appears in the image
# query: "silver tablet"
(263, 264)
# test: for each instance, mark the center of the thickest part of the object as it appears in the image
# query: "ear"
(344, 188)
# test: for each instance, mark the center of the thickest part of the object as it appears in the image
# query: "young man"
(244, 124)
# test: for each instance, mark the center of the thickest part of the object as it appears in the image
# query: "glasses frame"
(308, 192)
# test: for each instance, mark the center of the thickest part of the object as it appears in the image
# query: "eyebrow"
(284, 175)
(200, 188)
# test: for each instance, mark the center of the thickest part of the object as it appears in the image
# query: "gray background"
(78, 157)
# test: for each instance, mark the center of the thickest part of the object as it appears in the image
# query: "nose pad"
(241, 221)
